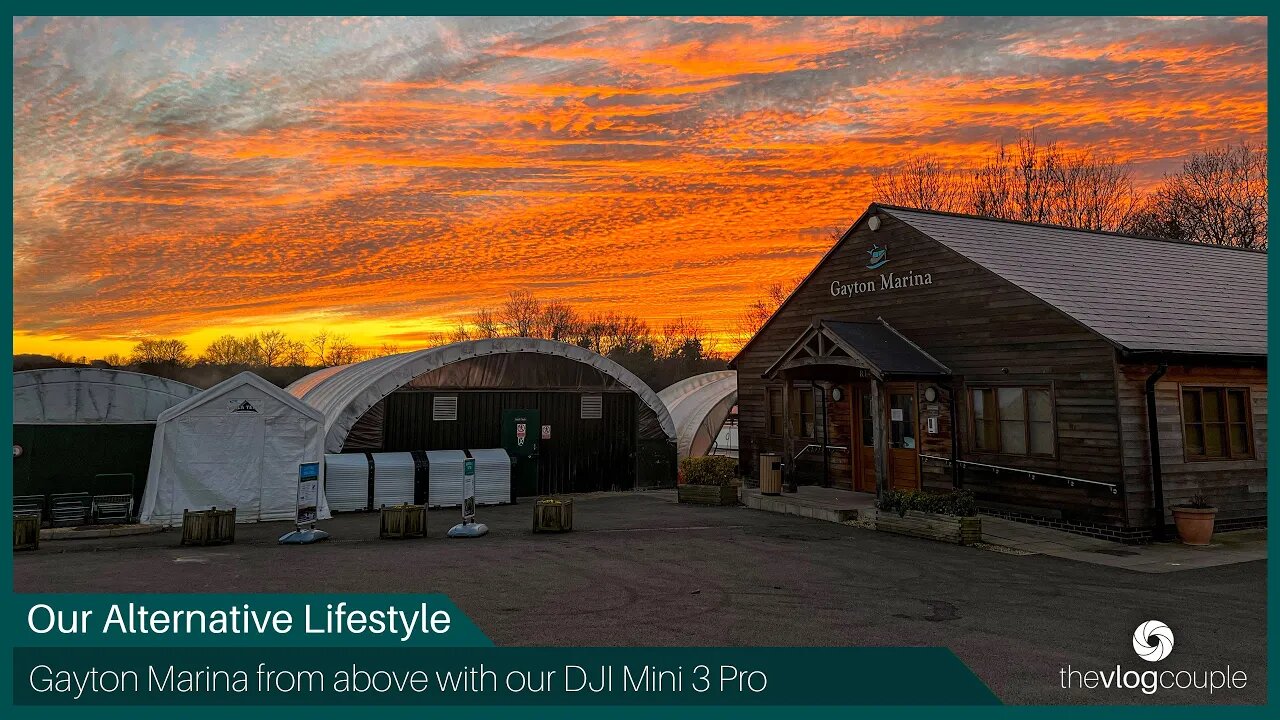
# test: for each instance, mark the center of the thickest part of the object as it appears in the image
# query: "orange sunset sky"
(383, 177)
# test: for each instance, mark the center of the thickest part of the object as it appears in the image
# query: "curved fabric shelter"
(87, 396)
(236, 445)
(345, 393)
(699, 406)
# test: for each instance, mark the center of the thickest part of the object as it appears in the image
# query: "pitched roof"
(886, 348)
(1142, 294)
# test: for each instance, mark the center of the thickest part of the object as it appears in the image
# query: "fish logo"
(1153, 641)
(879, 256)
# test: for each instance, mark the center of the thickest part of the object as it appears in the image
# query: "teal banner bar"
(135, 676)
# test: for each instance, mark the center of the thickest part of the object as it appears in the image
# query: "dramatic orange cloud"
(385, 177)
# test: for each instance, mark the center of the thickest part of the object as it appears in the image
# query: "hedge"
(957, 502)
(710, 470)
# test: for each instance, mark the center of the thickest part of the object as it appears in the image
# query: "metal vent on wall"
(592, 407)
(444, 407)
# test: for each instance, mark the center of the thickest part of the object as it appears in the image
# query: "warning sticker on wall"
(546, 432)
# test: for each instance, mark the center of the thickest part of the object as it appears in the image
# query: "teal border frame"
(12, 602)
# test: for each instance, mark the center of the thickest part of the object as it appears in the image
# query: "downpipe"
(1153, 440)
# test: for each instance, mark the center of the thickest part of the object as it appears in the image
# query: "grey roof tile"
(1139, 293)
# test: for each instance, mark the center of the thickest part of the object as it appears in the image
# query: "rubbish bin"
(770, 474)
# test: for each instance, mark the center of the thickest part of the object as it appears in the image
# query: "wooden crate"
(398, 522)
(26, 531)
(708, 494)
(209, 527)
(947, 528)
(553, 514)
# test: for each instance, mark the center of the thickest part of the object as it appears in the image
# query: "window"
(444, 407)
(1216, 423)
(1012, 420)
(805, 416)
(902, 420)
(773, 399)
(592, 407)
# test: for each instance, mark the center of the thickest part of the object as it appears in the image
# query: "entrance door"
(904, 452)
(521, 430)
(864, 458)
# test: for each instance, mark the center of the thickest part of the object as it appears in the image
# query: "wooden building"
(1037, 366)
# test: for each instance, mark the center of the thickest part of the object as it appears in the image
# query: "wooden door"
(904, 441)
(864, 452)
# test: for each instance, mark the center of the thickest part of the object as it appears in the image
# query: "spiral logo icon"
(1153, 641)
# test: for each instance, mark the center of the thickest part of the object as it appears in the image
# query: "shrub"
(957, 502)
(1198, 502)
(711, 470)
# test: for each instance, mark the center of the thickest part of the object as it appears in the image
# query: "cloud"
(172, 176)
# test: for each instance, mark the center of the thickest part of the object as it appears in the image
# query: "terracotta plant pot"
(1195, 525)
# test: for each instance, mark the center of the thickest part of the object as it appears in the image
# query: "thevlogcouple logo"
(1153, 642)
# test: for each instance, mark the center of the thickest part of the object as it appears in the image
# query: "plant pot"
(1195, 525)
(708, 494)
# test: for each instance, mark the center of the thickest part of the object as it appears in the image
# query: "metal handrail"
(1031, 474)
(810, 446)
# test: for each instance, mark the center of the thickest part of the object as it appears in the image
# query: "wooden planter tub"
(708, 494)
(947, 528)
(209, 527)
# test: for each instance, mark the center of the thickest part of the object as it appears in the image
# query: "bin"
(770, 474)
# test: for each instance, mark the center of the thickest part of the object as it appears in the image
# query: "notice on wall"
(546, 432)
(895, 415)
(308, 493)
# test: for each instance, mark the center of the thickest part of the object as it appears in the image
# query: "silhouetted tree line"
(678, 349)
(1218, 197)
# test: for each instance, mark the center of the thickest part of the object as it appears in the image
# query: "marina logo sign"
(877, 257)
(886, 281)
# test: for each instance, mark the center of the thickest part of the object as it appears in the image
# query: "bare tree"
(1218, 198)
(558, 321)
(761, 309)
(682, 337)
(921, 182)
(294, 354)
(483, 324)
(520, 314)
(319, 344)
(627, 333)
(161, 351)
(341, 351)
(272, 346)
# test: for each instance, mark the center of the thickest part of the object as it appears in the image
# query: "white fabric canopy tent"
(236, 445)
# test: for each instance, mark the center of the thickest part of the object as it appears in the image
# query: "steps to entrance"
(811, 502)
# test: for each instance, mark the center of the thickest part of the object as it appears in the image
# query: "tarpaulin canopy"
(236, 445)
(345, 394)
(88, 396)
(699, 406)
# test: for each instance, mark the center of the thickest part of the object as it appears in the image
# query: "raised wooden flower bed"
(26, 531)
(398, 522)
(208, 527)
(708, 494)
(932, 526)
(553, 514)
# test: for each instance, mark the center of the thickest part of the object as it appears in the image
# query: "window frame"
(971, 418)
(769, 413)
(797, 393)
(1250, 454)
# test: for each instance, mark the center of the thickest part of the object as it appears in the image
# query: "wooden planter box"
(708, 494)
(553, 514)
(402, 521)
(208, 527)
(26, 532)
(947, 528)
